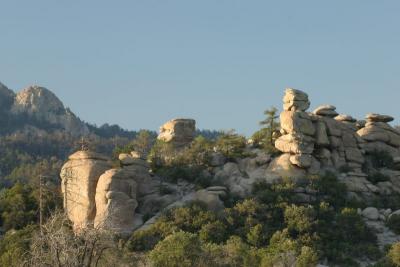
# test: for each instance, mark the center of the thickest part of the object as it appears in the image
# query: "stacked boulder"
(179, 132)
(379, 135)
(310, 141)
(298, 136)
(337, 140)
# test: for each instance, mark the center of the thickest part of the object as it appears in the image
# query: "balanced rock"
(326, 110)
(344, 117)
(79, 176)
(379, 118)
(179, 132)
(295, 100)
(116, 201)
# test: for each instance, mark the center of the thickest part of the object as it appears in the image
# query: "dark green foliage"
(330, 190)
(380, 159)
(376, 177)
(180, 249)
(345, 168)
(231, 145)
(15, 245)
(394, 223)
(18, 207)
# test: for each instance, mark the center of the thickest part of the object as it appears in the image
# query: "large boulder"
(283, 167)
(116, 201)
(296, 122)
(295, 100)
(80, 175)
(295, 144)
(179, 132)
(326, 110)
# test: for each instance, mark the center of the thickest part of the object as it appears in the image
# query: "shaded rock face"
(44, 105)
(80, 175)
(6, 97)
(116, 201)
(179, 132)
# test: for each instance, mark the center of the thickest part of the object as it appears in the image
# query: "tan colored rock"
(296, 122)
(378, 117)
(321, 136)
(373, 133)
(344, 117)
(283, 167)
(116, 201)
(326, 110)
(295, 144)
(180, 132)
(126, 159)
(295, 100)
(333, 127)
(44, 105)
(79, 180)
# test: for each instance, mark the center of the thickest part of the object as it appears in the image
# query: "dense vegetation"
(271, 227)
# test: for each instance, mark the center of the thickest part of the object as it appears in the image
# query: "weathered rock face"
(179, 132)
(104, 198)
(318, 139)
(116, 201)
(44, 105)
(79, 176)
(379, 135)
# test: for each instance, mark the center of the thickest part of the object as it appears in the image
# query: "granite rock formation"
(179, 132)
(80, 175)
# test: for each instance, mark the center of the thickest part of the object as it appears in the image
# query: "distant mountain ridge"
(39, 107)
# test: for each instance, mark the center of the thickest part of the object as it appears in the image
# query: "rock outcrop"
(80, 175)
(179, 132)
(321, 139)
(96, 195)
(116, 201)
(379, 135)
(43, 105)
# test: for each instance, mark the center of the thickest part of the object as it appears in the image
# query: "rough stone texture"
(326, 110)
(378, 117)
(79, 176)
(283, 167)
(297, 122)
(295, 100)
(45, 106)
(295, 144)
(179, 132)
(116, 201)
(371, 213)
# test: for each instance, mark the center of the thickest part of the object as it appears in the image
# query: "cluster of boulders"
(377, 219)
(380, 135)
(96, 195)
(179, 132)
(311, 141)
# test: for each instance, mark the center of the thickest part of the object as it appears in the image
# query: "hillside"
(308, 189)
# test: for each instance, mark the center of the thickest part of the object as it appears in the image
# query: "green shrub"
(394, 223)
(214, 232)
(376, 177)
(394, 254)
(231, 145)
(380, 159)
(180, 249)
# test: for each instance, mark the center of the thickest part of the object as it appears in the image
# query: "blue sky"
(221, 62)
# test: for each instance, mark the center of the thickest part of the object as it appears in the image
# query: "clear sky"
(221, 62)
